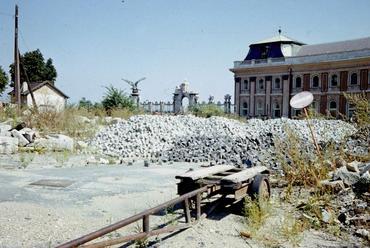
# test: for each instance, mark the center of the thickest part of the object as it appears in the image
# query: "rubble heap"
(193, 139)
(12, 138)
(351, 185)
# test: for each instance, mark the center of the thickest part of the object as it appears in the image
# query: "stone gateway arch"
(182, 92)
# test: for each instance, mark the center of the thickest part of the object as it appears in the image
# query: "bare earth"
(43, 216)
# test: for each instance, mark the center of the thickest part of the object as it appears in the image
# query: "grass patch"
(256, 213)
(361, 105)
(272, 224)
(300, 164)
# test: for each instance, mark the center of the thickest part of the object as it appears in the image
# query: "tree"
(116, 98)
(84, 103)
(3, 80)
(37, 70)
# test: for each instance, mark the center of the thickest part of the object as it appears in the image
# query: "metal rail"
(144, 216)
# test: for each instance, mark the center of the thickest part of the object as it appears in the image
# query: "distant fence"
(167, 107)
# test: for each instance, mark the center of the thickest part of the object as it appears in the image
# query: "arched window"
(315, 82)
(276, 110)
(245, 109)
(246, 85)
(350, 110)
(261, 84)
(334, 80)
(298, 82)
(260, 108)
(333, 108)
(277, 83)
(354, 79)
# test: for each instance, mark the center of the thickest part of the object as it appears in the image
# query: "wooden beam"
(244, 175)
(204, 172)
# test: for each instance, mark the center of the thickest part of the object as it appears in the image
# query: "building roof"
(37, 85)
(278, 38)
(335, 47)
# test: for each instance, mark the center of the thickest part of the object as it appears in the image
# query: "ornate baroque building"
(276, 69)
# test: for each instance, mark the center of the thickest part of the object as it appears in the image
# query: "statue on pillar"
(134, 90)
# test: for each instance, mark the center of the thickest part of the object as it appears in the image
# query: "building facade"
(276, 69)
(47, 96)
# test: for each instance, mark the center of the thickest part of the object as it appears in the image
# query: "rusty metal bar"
(136, 236)
(146, 223)
(187, 211)
(96, 234)
(199, 198)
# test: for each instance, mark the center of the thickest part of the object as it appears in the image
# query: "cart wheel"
(260, 188)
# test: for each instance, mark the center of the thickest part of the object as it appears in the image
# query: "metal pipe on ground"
(91, 236)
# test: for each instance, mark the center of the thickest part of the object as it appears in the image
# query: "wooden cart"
(227, 180)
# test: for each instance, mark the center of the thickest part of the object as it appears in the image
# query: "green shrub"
(362, 108)
(116, 99)
(207, 110)
(301, 166)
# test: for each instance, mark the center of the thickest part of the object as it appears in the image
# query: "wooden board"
(243, 175)
(204, 172)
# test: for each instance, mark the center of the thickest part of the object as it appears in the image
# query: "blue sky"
(95, 43)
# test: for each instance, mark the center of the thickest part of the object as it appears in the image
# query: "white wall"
(47, 98)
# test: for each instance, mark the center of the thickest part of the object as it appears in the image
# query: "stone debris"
(352, 196)
(218, 140)
(8, 145)
(22, 141)
(28, 138)
(55, 142)
(358, 143)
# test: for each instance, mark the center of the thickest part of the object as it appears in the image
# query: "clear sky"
(94, 43)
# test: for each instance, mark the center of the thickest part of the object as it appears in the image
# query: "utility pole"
(17, 91)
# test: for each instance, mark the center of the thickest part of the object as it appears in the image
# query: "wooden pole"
(312, 133)
(17, 91)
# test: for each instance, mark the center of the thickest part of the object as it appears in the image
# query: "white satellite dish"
(301, 100)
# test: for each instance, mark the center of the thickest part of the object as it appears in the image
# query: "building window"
(298, 82)
(334, 80)
(277, 84)
(246, 85)
(259, 108)
(245, 109)
(350, 110)
(276, 110)
(315, 82)
(333, 108)
(261, 84)
(354, 79)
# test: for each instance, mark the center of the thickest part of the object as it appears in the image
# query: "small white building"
(47, 96)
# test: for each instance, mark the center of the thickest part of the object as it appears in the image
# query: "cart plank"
(243, 175)
(204, 172)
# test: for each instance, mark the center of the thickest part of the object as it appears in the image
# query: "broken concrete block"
(22, 141)
(333, 186)
(353, 166)
(56, 142)
(365, 169)
(81, 144)
(363, 233)
(8, 145)
(340, 162)
(4, 128)
(348, 178)
(83, 119)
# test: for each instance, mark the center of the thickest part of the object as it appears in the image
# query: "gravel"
(216, 139)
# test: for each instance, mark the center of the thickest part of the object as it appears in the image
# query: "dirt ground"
(44, 216)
